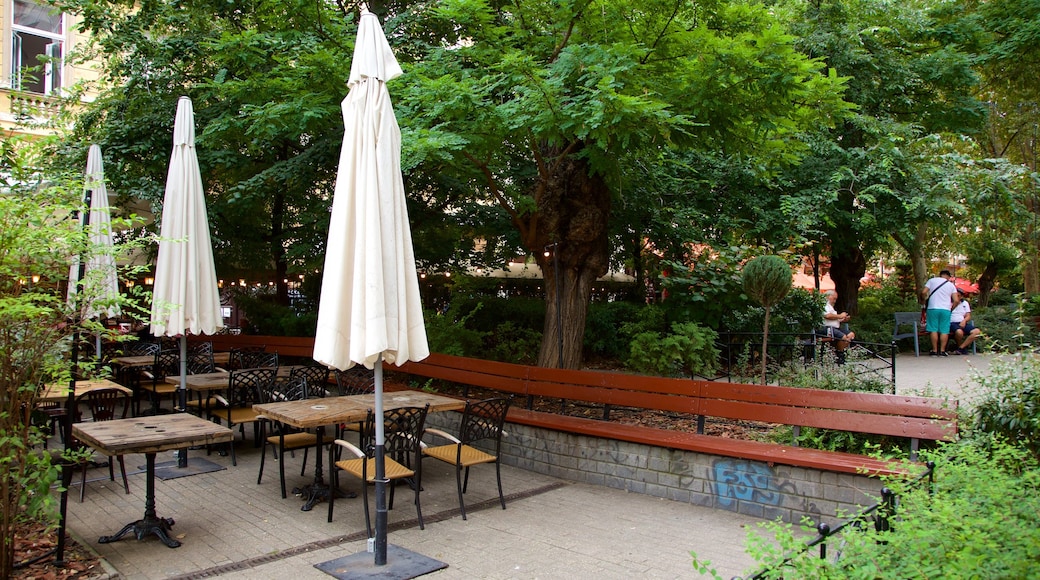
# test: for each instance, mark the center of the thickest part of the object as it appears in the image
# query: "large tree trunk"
(848, 266)
(986, 282)
(570, 225)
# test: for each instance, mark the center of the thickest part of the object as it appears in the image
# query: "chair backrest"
(235, 355)
(201, 348)
(247, 387)
(484, 420)
(167, 363)
(401, 430)
(107, 404)
(912, 319)
(292, 389)
(317, 378)
(200, 363)
(356, 380)
(253, 360)
(141, 348)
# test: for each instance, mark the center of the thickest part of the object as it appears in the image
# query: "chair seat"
(449, 453)
(161, 388)
(394, 470)
(210, 403)
(294, 441)
(238, 415)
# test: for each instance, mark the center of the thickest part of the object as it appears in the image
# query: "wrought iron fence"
(879, 514)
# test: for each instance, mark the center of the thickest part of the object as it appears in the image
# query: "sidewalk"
(233, 528)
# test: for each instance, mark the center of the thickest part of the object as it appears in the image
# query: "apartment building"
(36, 63)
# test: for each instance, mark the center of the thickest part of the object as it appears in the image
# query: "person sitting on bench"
(962, 330)
(832, 321)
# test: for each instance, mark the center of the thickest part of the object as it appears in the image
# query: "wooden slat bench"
(916, 418)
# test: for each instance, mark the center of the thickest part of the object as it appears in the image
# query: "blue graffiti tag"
(740, 479)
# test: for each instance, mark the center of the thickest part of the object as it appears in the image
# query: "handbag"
(924, 315)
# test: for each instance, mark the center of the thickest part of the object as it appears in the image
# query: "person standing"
(961, 327)
(937, 294)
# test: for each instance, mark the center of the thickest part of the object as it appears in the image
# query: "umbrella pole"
(182, 396)
(380, 479)
(70, 413)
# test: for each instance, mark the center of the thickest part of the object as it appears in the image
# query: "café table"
(149, 435)
(146, 360)
(317, 413)
(57, 393)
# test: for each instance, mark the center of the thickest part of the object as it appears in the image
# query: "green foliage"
(266, 317)
(979, 519)
(766, 279)
(706, 287)
(1010, 402)
(448, 332)
(37, 238)
(604, 337)
(512, 343)
(800, 311)
(689, 350)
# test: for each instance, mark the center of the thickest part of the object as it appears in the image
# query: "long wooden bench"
(916, 418)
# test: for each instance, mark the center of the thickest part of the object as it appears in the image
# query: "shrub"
(1010, 407)
(689, 350)
(603, 336)
(446, 332)
(511, 343)
(980, 519)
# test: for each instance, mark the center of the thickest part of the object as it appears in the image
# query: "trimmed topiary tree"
(767, 280)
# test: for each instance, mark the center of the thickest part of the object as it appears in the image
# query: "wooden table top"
(150, 434)
(58, 393)
(330, 410)
(146, 360)
(135, 361)
(219, 380)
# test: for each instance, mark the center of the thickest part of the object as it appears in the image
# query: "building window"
(37, 47)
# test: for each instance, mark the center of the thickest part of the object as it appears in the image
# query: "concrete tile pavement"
(233, 528)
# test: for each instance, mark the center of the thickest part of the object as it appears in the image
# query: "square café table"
(149, 435)
(59, 393)
(317, 413)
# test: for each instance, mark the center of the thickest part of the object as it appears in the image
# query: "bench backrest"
(895, 415)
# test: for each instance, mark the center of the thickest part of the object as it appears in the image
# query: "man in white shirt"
(961, 327)
(937, 294)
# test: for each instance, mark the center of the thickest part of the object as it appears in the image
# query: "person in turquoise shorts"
(937, 294)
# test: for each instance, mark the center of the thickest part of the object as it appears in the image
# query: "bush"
(603, 336)
(267, 317)
(690, 350)
(980, 519)
(446, 332)
(1010, 407)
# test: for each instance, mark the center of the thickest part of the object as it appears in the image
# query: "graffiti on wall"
(743, 480)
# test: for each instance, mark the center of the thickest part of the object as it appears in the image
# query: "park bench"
(916, 418)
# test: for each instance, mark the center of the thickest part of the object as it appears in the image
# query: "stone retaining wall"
(748, 487)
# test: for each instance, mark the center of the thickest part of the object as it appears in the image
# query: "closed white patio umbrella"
(370, 311)
(101, 280)
(185, 297)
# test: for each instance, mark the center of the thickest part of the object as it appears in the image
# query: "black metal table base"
(151, 523)
(146, 527)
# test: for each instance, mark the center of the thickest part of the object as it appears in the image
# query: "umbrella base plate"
(400, 564)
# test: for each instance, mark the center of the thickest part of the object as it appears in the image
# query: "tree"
(37, 242)
(532, 104)
(767, 280)
(863, 179)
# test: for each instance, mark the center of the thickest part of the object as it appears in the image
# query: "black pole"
(559, 314)
(70, 407)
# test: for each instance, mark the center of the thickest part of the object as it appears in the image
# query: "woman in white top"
(962, 329)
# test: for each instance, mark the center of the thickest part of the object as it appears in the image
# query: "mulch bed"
(34, 543)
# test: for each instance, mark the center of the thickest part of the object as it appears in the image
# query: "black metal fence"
(740, 355)
(880, 515)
